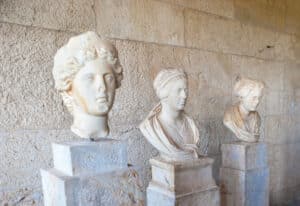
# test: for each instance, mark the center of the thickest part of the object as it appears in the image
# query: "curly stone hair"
(79, 50)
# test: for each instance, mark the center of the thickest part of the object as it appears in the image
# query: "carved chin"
(99, 110)
(252, 109)
(102, 109)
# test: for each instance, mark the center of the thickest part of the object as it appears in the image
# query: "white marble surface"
(167, 127)
(243, 119)
(244, 156)
(87, 72)
(91, 173)
(86, 157)
(182, 183)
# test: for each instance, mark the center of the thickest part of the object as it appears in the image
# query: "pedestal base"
(182, 183)
(114, 188)
(85, 157)
(160, 197)
(244, 175)
(91, 174)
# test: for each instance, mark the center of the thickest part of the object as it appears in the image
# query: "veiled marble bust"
(243, 119)
(87, 72)
(167, 127)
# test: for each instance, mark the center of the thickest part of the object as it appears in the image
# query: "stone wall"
(214, 40)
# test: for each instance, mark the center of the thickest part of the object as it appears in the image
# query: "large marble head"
(249, 92)
(171, 88)
(87, 72)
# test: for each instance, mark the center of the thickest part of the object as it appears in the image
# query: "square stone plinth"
(158, 196)
(244, 175)
(182, 183)
(120, 187)
(89, 157)
(244, 188)
(244, 156)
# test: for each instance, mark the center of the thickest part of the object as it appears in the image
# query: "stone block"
(86, 157)
(213, 33)
(59, 189)
(269, 14)
(244, 156)
(292, 24)
(77, 16)
(139, 17)
(183, 177)
(28, 87)
(106, 189)
(291, 72)
(270, 72)
(182, 183)
(158, 196)
(245, 188)
(217, 7)
(279, 129)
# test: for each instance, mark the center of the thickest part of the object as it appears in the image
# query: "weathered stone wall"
(214, 40)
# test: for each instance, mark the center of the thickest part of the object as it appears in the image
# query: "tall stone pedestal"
(89, 173)
(244, 174)
(182, 183)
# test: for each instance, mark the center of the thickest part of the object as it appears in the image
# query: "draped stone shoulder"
(167, 127)
(154, 132)
(243, 119)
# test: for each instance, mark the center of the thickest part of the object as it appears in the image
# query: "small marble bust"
(87, 72)
(243, 119)
(167, 127)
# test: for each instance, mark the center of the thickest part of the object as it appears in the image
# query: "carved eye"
(109, 78)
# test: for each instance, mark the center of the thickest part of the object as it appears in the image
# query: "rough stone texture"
(28, 97)
(92, 174)
(217, 7)
(32, 114)
(23, 153)
(148, 20)
(106, 189)
(70, 15)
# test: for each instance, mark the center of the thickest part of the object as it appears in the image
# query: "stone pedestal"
(91, 174)
(244, 174)
(182, 183)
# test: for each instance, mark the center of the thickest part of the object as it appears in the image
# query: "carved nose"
(100, 84)
(183, 94)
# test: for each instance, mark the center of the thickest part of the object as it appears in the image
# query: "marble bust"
(243, 119)
(87, 72)
(167, 127)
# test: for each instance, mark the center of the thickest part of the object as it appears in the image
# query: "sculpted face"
(251, 101)
(93, 87)
(178, 93)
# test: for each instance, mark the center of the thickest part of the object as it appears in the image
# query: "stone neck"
(89, 126)
(243, 111)
(170, 115)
